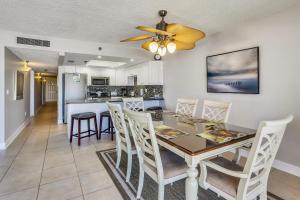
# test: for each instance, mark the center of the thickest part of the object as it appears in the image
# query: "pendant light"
(162, 50)
(153, 46)
(171, 46)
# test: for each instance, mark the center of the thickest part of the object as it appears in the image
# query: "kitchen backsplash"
(139, 90)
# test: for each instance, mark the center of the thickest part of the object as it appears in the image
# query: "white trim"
(280, 165)
(59, 121)
(11, 138)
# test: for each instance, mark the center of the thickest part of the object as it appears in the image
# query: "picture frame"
(234, 72)
(19, 85)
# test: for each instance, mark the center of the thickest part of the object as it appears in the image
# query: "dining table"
(192, 147)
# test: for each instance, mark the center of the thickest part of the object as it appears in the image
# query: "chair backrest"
(216, 111)
(186, 106)
(135, 103)
(118, 118)
(262, 154)
(143, 133)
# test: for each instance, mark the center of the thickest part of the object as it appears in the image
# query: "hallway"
(41, 164)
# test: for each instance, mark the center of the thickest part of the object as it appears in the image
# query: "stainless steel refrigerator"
(74, 88)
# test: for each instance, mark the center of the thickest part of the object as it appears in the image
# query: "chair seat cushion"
(85, 115)
(173, 165)
(224, 182)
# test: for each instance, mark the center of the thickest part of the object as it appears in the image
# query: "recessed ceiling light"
(131, 59)
(99, 57)
(104, 63)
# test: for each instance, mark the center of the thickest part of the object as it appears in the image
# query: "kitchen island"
(99, 105)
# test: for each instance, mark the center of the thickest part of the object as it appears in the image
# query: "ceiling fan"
(167, 37)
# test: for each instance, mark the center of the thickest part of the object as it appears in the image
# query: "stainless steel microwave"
(99, 80)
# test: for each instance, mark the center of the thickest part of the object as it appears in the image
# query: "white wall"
(17, 112)
(278, 39)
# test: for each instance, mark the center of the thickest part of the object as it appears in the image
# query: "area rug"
(176, 191)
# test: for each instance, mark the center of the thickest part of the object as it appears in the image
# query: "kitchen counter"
(109, 99)
(97, 106)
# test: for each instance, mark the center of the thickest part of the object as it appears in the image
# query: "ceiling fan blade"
(141, 37)
(145, 45)
(153, 30)
(184, 33)
(183, 46)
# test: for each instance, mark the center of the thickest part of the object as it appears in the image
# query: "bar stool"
(83, 116)
(110, 126)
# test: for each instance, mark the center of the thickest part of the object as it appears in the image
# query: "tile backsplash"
(139, 90)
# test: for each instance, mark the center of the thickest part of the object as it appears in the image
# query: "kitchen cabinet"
(148, 73)
(155, 73)
(121, 78)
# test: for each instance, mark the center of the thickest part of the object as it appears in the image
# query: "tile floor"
(42, 165)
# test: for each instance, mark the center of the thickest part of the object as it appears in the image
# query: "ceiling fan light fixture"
(153, 46)
(171, 46)
(162, 50)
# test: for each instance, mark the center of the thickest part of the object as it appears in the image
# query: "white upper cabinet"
(120, 77)
(155, 73)
(148, 73)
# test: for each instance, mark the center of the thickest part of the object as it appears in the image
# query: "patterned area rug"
(176, 191)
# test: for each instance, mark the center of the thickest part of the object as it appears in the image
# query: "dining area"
(163, 154)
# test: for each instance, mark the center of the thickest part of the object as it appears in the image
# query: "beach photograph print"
(234, 72)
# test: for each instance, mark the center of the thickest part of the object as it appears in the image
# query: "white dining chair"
(186, 107)
(216, 111)
(123, 139)
(234, 182)
(163, 166)
(134, 103)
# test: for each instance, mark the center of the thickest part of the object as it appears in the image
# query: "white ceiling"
(112, 20)
(104, 61)
(39, 60)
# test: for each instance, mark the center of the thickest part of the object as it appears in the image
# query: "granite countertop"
(108, 99)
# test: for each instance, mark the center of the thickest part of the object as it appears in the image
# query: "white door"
(51, 90)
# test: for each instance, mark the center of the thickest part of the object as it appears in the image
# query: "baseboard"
(280, 165)
(60, 121)
(17, 132)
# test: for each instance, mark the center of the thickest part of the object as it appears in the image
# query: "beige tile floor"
(42, 165)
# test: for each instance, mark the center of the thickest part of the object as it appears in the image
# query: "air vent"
(33, 42)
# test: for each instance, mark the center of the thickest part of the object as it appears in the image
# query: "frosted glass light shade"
(162, 50)
(153, 46)
(171, 47)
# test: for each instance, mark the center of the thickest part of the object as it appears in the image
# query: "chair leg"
(72, 127)
(96, 128)
(129, 165)
(237, 156)
(100, 126)
(161, 191)
(89, 127)
(119, 154)
(111, 129)
(141, 181)
(79, 131)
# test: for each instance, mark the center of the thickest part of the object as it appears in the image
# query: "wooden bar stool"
(110, 127)
(83, 116)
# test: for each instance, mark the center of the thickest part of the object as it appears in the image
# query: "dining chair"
(134, 103)
(163, 166)
(216, 111)
(234, 182)
(186, 106)
(123, 139)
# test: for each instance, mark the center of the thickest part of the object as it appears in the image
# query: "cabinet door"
(120, 77)
(155, 73)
